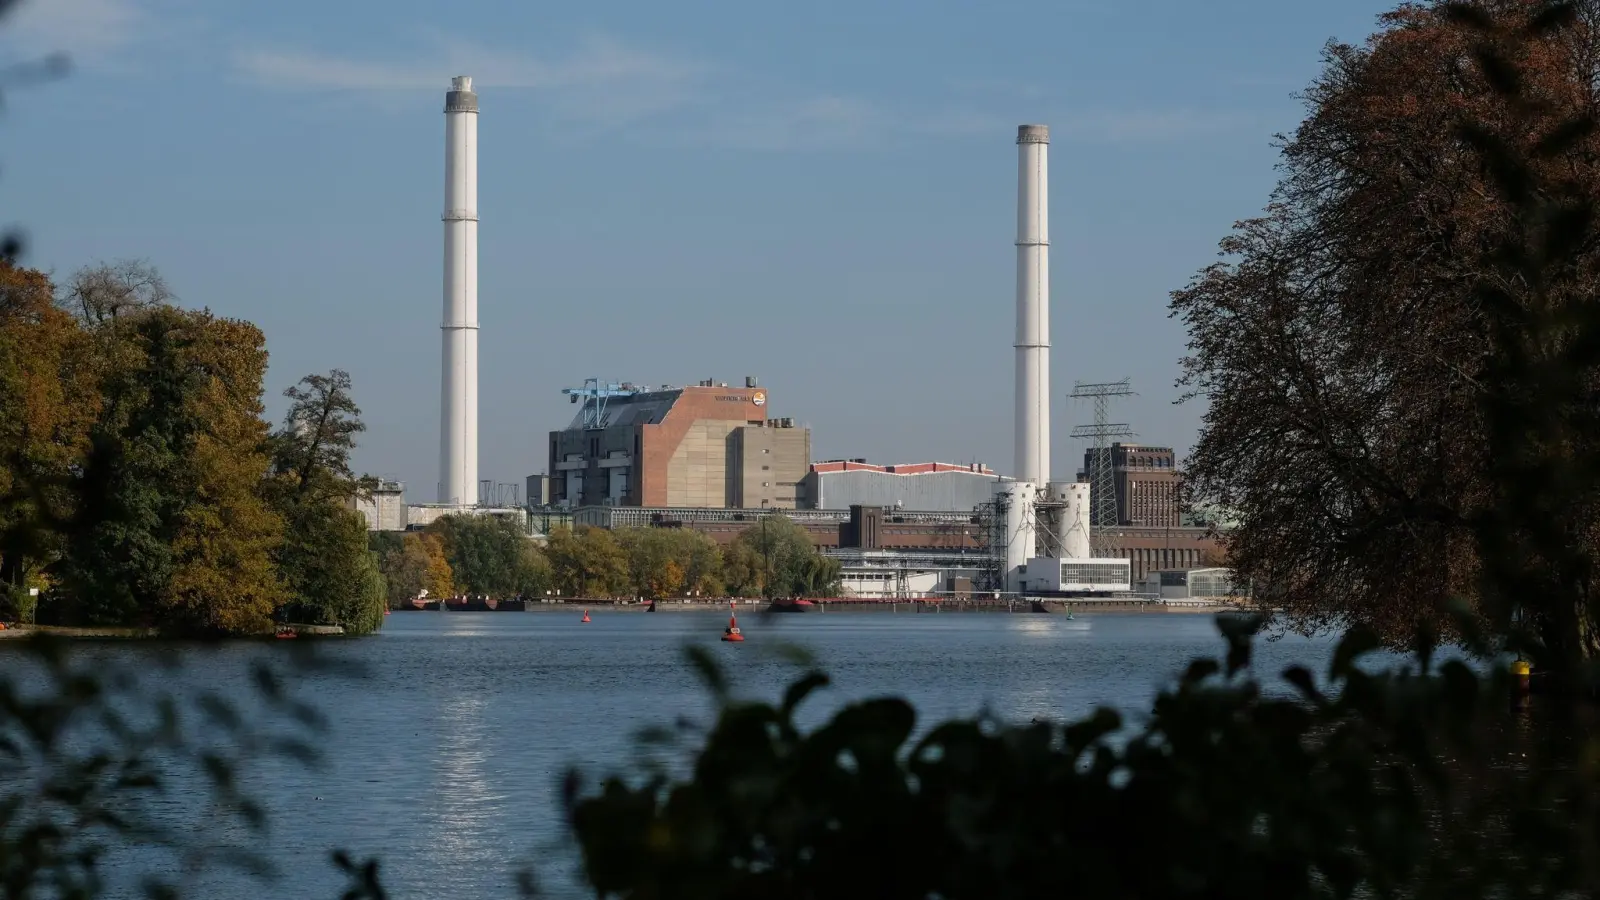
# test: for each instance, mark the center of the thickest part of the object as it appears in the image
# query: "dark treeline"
(139, 482)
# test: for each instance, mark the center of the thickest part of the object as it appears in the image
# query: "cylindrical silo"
(1075, 543)
(1020, 535)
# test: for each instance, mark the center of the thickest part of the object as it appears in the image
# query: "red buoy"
(586, 615)
(731, 633)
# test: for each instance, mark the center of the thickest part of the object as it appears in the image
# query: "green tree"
(587, 562)
(325, 561)
(655, 560)
(405, 570)
(170, 528)
(1331, 789)
(776, 558)
(490, 555)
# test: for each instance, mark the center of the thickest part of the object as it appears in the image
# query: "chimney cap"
(461, 83)
(1033, 134)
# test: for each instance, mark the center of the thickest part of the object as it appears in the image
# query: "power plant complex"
(716, 458)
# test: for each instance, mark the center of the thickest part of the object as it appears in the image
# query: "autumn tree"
(664, 562)
(1346, 348)
(587, 562)
(331, 574)
(170, 527)
(47, 400)
(404, 565)
(440, 579)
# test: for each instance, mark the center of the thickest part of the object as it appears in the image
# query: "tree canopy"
(1355, 342)
(330, 572)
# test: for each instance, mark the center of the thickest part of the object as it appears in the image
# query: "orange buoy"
(586, 615)
(731, 633)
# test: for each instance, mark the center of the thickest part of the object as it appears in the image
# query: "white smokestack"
(458, 421)
(1033, 305)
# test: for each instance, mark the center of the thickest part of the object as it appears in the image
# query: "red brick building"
(707, 445)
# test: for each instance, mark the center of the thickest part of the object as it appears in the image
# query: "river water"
(443, 756)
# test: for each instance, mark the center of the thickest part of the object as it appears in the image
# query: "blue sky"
(819, 194)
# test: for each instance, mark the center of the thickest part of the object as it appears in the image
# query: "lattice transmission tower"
(1101, 471)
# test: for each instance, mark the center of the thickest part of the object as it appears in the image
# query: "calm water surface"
(444, 755)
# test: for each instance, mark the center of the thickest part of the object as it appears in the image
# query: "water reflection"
(461, 817)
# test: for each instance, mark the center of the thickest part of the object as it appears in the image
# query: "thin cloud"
(603, 80)
(605, 84)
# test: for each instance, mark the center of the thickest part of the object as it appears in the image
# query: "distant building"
(385, 508)
(841, 484)
(708, 445)
(1193, 584)
(1153, 549)
(1146, 482)
(538, 490)
(420, 515)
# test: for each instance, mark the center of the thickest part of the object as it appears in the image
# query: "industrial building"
(841, 484)
(1193, 584)
(1145, 480)
(1153, 549)
(1053, 575)
(705, 445)
(384, 508)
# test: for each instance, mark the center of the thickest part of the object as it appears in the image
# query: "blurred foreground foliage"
(1410, 782)
(99, 764)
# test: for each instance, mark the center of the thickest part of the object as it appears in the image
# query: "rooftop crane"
(593, 395)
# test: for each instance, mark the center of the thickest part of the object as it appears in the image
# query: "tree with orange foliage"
(171, 527)
(1350, 358)
(47, 401)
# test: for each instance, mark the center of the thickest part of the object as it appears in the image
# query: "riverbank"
(750, 606)
(115, 633)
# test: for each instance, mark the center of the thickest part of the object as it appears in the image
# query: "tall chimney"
(458, 420)
(1033, 305)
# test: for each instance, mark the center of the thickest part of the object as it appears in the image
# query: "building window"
(765, 468)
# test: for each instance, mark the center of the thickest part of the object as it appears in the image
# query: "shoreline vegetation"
(1401, 361)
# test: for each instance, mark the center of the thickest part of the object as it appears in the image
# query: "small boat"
(791, 605)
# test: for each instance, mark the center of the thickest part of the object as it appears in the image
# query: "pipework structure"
(1033, 306)
(458, 420)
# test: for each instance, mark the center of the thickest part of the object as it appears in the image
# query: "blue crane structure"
(593, 395)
